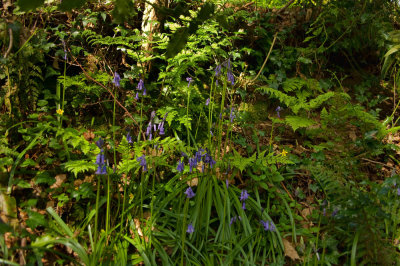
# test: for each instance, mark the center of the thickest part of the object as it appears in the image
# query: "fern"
(297, 122)
(241, 162)
(79, 166)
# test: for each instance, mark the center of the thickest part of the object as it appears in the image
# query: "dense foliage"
(199, 132)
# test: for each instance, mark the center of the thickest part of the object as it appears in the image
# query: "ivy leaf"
(26, 5)
(67, 5)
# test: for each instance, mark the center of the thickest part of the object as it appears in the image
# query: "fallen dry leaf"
(290, 251)
(59, 180)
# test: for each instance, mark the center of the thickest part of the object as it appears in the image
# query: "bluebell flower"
(211, 133)
(137, 96)
(190, 229)
(183, 154)
(268, 226)
(277, 110)
(129, 138)
(144, 92)
(232, 116)
(192, 163)
(244, 195)
(335, 212)
(189, 80)
(142, 162)
(180, 167)
(100, 143)
(207, 101)
(149, 128)
(227, 183)
(116, 79)
(199, 155)
(208, 159)
(140, 85)
(231, 78)
(398, 191)
(233, 220)
(218, 71)
(161, 128)
(101, 170)
(100, 159)
(189, 193)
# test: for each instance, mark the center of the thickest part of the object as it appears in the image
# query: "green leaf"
(79, 166)
(178, 42)
(297, 122)
(240, 162)
(123, 10)
(26, 5)
(35, 219)
(70, 4)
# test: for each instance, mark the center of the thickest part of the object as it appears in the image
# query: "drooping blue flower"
(137, 96)
(183, 154)
(277, 110)
(101, 170)
(190, 229)
(140, 85)
(233, 220)
(161, 128)
(398, 191)
(116, 79)
(142, 162)
(243, 205)
(192, 163)
(231, 78)
(181, 166)
(218, 71)
(189, 193)
(208, 159)
(129, 138)
(227, 183)
(335, 212)
(199, 155)
(244, 195)
(144, 92)
(149, 128)
(100, 158)
(207, 101)
(100, 143)
(232, 116)
(268, 226)
(189, 80)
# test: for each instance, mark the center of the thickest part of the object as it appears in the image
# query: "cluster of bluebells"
(268, 226)
(200, 156)
(142, 162)
(229, 74)
(243, 197)
(152, 128)
(140, 87)
(100, 159)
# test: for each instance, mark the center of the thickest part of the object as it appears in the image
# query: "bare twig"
(283, 8)
(266, 59)
(10, 43)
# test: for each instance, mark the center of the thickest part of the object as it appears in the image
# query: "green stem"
(97, 208)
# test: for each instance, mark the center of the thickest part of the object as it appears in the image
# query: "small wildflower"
(227, 183)
(398, 191)
(211, 133)
(268, 226)
(142, 162)
(192, 163)
(218, 71)
(101, 170)
(140, 85)
(244, 205)
(335, 212)
(100, 158)
(144, 92)
(100, 143)
(137, 96)
(60, 111)
(189, 80)
(189, 193)
(116, 79)
(284, 153)
(277, 110)
(207, 101)
(232, 116)
(65, 50)
(190, 229)
(180, 167)
(129, 138)
(183, 154)
(244, 195)
(233, 219)
(231, 78)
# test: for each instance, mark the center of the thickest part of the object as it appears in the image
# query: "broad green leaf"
(67, 5)
(178, 42)
(27, 5)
